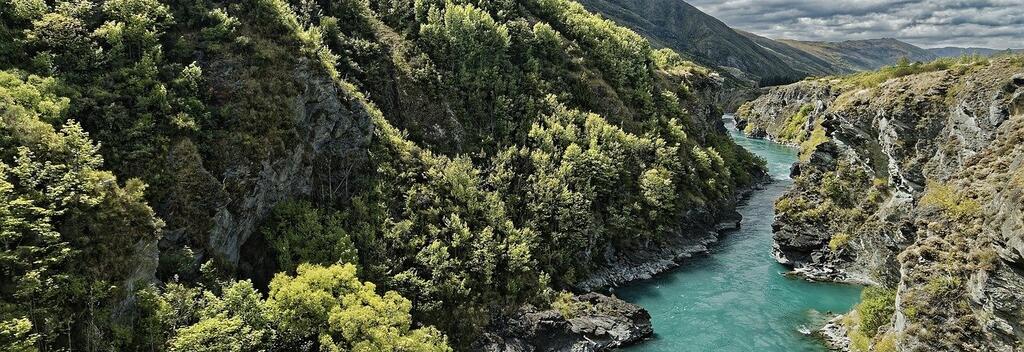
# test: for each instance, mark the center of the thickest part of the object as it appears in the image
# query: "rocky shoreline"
(913, 185)
(834, 335)
(595, 322)
(609, 322)
(647, 263)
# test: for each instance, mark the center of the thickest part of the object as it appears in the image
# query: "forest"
(336, 175)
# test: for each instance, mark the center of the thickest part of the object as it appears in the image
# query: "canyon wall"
(910, 180)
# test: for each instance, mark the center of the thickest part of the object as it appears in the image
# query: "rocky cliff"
(909, 180)
(589, 322)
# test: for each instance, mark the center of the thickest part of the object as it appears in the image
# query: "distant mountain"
(678, 25)
(952, 51)
(800, 60)
(862, 55)
(752, 59)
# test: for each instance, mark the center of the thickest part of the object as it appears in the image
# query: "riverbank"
(737, 298)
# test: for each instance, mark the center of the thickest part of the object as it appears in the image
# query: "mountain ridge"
(754, 60)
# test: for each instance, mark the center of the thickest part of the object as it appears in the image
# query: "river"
(736, 298)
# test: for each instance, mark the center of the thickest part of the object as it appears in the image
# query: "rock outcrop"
(329, 136)
(333, 130)
(594, 322)
(917, 187)
(768, 116)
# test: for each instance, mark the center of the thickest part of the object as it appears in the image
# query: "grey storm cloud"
(997, 24)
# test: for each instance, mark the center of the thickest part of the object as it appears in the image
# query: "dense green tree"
(71, 233)
(320, 308)
(429, 230)
(16, 335)
(300, 233)
(472, 49)
(331, 306)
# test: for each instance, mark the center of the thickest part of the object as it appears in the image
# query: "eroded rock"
(598, 323)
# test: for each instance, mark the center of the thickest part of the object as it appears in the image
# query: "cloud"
(995, 24)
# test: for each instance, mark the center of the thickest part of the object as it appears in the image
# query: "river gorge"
(737, 298)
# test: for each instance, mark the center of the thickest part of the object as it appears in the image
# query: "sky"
(997, 24)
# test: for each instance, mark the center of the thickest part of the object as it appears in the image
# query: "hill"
(699, 37)
(952, 51)
(800, 60)
(862, 55)
(748, 57)
(204, 175)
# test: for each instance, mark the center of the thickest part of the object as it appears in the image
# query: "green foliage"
(905, 68)
(875, 309)
(623, 56)
(565, 304)
(569, 307)
(428, 229)
(817, 138)
(70, 230)
(217, 334)
(300, 233)
(944, 197)
(940, 286)
(330, 305)
(887, 343)
(193, 98)
(16, 335)
(838, 241)
(795, 129)
(321, 308)
(668, 60)
(467, 44)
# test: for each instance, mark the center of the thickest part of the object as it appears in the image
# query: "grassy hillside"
(862, 55)
(952, 51)
(801, 60)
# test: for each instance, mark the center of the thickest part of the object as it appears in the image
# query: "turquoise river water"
(736, 298)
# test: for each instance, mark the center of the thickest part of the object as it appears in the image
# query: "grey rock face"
(937, 211)
(766, 116)
(602, 323)
(332, 130)
(834, 334)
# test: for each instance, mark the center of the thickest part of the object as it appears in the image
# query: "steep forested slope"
(203, 174)
(910, 180)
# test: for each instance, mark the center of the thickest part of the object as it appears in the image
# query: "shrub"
(944, 197)
(906, 68)
(875, 309)
(817, 138)
(838, 241)
(795, 129)
(301, 233)
(566, 304)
